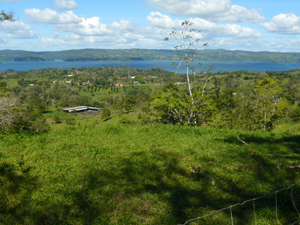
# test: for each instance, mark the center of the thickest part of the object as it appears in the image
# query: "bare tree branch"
(241, 140)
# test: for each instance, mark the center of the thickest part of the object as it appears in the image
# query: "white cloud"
(159, 20)
(17, 30)
(213, 10)
(92, 26)
(51, 16)
(65, 5)
(283, 24)
(77, 40)
(91, 32)
(87, 27)
(53, 41)
(148, 32)
(129, 40)
(237, 44)
(257, 44)
(123, 25)
(69, 22)
(208, 29)
(133, 36)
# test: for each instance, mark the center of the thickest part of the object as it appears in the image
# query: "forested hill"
(146, 54)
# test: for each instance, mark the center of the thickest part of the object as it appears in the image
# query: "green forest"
(153, 153)
(126, 55)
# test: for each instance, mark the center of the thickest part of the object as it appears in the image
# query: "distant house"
(117, 84)
(178, 83)
(132, 77)
(31, 84)
(55, 81)
(135, 82)
(80, 109)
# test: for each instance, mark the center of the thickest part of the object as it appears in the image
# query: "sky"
(53, 25)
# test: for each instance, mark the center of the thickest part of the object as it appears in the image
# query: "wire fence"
(197, 219)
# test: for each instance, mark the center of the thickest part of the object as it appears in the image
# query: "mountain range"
(147, 54)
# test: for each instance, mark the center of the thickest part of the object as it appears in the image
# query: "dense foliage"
(239, 100)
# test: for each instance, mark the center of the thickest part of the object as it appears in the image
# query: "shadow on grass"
(107, 119)
(178, 194)
(270, 156)
(17, 187)
(146, 188)
(289, 140)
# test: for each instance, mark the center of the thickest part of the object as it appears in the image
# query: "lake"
(147, 64)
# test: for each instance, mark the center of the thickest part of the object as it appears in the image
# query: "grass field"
(109, 173)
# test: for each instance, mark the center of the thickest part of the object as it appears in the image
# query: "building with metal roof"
(79, 109)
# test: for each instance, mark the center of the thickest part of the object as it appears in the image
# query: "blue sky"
(51, 25)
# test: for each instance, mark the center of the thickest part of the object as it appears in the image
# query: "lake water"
(147, 64)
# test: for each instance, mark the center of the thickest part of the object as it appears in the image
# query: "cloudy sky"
(50, 25)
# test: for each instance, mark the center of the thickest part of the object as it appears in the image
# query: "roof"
(79, 108)
(76, 108)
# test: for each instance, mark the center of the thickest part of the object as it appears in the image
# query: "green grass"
(132, 174)
(288, 128)
(12, 82)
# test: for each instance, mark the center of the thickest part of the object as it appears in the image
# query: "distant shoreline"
(148, 64)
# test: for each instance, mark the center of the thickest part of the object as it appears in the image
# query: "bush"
(57, 119)
(70, 121)
(23, 123)
(40, 126)
(295, 115)
(125, 120)
(105, 113)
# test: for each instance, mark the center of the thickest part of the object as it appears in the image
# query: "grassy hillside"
(133, 174)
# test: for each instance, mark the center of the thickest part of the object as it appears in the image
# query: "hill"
(146, 54)
(134, 174)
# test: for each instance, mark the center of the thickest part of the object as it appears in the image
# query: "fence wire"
(253, 199)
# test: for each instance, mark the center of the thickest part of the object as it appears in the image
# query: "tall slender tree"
(188, 106)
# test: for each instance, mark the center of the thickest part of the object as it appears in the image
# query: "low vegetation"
(109, 173)
(135, 162)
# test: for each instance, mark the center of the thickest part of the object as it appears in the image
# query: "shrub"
(105, 113)
(57, 119)
(70, 121)
(125, 120)
(23, 123)
(295, 115)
